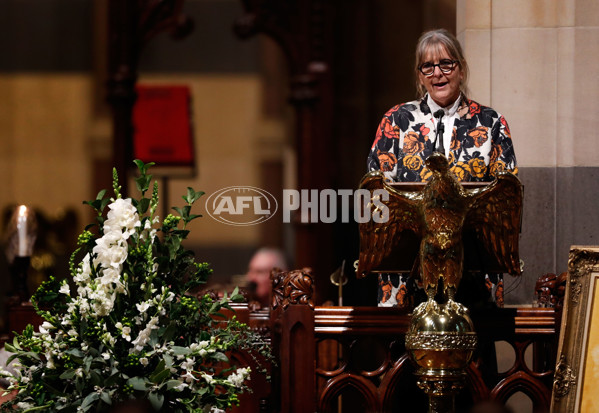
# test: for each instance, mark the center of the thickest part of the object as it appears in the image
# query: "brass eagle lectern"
(441, 337)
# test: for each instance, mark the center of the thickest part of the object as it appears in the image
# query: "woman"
(476, 140)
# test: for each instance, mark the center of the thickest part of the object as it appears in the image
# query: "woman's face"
(443, 88)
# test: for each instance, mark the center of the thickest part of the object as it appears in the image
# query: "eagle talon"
(456, 307)
(428, 306)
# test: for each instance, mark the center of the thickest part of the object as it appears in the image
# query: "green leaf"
(89, 400)
(144, 204)
(159, 377)
(173, 247)
(112, 380)
(75, 352)
(159, 368)
(95, 378)
(140, 165)
(220, 356)
(157, 400)
(79, 384)
(179, 210)
(94, 204)
(180, 351)
(67, 375)
(52, 389)
(34, 409)
(87, 362)
(106, 398)
(171, 384)
(168, 361)
(143, 167)
(192, 195)
(11, 358)
(104, 203)
(137, 383)
(158, 371)
(168, 334)
(142, 183)
(31, 354)
(214, 307)
(15, 342)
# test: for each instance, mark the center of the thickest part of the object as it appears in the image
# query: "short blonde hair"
(435, 39)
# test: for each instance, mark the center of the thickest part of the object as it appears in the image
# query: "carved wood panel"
(359, 353)
(389, 385)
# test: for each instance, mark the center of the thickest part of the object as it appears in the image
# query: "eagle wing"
(496, 217)
(377, 239)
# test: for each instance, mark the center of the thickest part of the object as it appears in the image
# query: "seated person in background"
(258, 275)
(475, 139)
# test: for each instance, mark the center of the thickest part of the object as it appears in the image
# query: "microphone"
(440, 130)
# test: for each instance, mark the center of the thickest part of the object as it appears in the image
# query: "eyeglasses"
(446, 66)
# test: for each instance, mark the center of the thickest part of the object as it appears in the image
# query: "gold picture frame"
(577, 372)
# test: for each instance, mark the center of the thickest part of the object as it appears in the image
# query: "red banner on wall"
(162, 126)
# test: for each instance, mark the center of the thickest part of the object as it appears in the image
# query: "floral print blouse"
(481, 145)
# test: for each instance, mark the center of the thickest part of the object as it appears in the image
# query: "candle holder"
(21, 235)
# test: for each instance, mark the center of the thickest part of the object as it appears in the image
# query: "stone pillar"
(535, 62)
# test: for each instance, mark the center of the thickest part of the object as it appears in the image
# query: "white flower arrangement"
(117, 335)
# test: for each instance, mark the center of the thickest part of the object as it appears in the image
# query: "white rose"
(122, 216)
(109, 275)
(110, 253)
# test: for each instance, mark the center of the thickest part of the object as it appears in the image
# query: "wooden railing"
(354, 359)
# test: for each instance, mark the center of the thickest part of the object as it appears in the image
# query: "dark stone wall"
(57, 36)
(47, 35)
(212, 46)
(561, 208)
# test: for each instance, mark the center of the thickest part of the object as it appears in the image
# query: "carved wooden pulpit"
(355, 356)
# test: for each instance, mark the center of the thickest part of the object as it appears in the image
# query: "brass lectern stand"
(441, 337)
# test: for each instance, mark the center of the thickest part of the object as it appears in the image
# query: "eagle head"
(437, 162)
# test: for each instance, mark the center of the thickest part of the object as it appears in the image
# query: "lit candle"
(22, 231)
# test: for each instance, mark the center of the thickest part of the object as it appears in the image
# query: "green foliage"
(131, 327)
